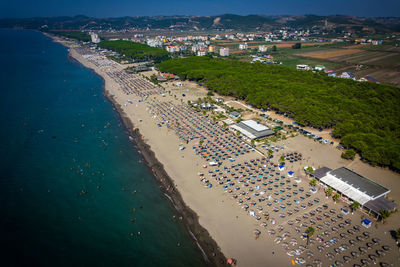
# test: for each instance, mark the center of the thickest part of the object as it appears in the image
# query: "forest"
(366, 116)
(80, 36)
(136, 51)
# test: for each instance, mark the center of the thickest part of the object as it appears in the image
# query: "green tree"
(310, 232)
(310, 169)
(355, 205)
(270, 152)
(237, 133)
(252, 142)
(274, 48)
(296, 46)
(313, 182)
(349, 154)
(336, 196)
(384, 214)
(329, 191)
(282, 159)
(398, 233)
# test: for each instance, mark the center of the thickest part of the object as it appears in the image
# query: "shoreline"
(214, 209)
(205, 244)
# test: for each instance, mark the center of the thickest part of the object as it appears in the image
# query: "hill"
(220, 22)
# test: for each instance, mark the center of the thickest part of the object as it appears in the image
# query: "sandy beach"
(224, 228)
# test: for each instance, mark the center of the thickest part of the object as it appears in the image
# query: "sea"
(74, 190)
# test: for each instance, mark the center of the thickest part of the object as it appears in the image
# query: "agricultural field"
(381, 62)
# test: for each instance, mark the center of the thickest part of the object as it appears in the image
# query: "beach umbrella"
(338, 263)
(346, 258)
(367, 234)
(372, 257)
(386, 248)
(365, 262)
(271, 231)
(362, 250)
(330, 256)
(317, 262)
(376, 240)
(380, 253)
(320, 248)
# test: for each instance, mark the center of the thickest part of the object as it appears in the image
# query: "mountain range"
(199, 23)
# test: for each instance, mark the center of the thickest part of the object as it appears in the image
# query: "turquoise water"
(73, 189)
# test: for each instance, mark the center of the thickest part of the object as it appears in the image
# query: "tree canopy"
(80, 36)
(366, 116)
(136, 51)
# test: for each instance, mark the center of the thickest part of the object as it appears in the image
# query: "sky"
(118, 8)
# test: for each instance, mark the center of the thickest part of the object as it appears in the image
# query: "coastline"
(203, 241)
(214, 210)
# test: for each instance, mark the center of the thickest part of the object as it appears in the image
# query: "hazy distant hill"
(226, 21)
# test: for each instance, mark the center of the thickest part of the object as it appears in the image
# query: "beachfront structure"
(356, 187)
(252, 129)
(224, 52)
(140, 68)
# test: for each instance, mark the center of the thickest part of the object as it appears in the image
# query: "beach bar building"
(252, 129)
(355, 187)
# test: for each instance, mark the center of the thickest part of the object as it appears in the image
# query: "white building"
(95, 38)
(303, 67)
(262, 48)
(243, 46)
(201, 52)
(252, 129)
(224, 52)
(173, 48)
(154, 42)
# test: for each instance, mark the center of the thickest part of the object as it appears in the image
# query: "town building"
(224, 52)
(202, 52)
(173, 48)
(303, 67)
(211, 49)
(95, 38)
(243, 46)
(348, 75)
(262, 48)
